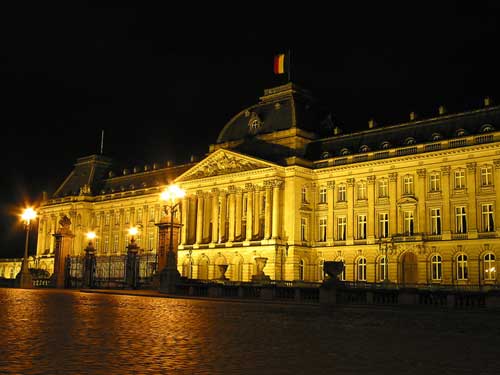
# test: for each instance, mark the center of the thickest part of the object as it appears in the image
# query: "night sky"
(163, 81)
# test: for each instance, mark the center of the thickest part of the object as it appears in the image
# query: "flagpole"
(289, 64)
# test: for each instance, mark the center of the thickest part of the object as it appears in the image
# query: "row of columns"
(224, 211)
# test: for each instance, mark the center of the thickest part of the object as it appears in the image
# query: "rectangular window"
(362, 190)
(127, 217)
(460, 219)
(341, 228)
(382, 269)
(322, 195)
(460, 179)
(383, 188)
(408, 223)
(322, 229)
(304, 195)
(383, 225)
(115, 243)
(435, 221)
(139, 215)
(303, 228)
(342, 193)
(107, 218)
(361, 227)
(487, 217)
(436, 268)
(117, 218)
(106, 243)
(152, 214)
(408, 185)
(151, 239)
(435, 182)
(486, 176)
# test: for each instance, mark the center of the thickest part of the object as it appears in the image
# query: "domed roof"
(281, 108)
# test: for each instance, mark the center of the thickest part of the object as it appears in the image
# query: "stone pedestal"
(260, 276)
(63, 244)
(89, 264)
(168, 275)
(132, 267)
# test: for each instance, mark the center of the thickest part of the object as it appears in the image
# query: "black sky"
(162, 81)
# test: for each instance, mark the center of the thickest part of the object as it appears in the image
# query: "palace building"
(410, 203)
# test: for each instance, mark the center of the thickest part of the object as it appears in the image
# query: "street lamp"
(171, 197)
(26, 280)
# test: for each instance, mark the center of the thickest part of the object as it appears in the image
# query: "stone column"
(276, 209)
(350, 211)
(230, 234)
(331, 205)
(222, 217)
(215, 216)
(184, 218)
(447, 216)
(249, 233)
(199, 217)
(267, 210)
(497, 193)
(371, 220)
(63, 244)
(471, 190)
(256, 213)
(420, 192)
(207, 218)
(393, 219)
(238, 215)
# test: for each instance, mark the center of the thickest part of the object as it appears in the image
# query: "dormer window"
(461, 133)
(364, 148)
(436, 137)
(325, 155)
(486, 128)
(345, 151)
(410, 141)
(385, 145)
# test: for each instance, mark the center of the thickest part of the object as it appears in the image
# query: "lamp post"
(26, 280)
(89, 262)
(132, 265)
(171, 197)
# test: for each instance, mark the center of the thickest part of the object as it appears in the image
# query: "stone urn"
(222, 270)
(333, 269)
(260, 263)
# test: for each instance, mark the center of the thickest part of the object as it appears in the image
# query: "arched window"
(301, 269)
(342, 275)
(436, 137)
(486, 128)
(364, 148)
(325, 155)
(436, 267)
(382, 268)
(361, 269)
(187, 268)
(461, 132)
(410, 141)
(303, 194)
(490, 267)
(462, 269)
(345, 151)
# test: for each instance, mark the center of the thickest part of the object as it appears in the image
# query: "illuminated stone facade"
(417, 200)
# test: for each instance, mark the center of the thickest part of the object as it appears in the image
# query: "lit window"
(117, 218)
(362, 190)
(408, 184)
(490, 267)
(127, 217)
(151, 239)
(486, 176)
(322, 194)
(408, 223)
(106, 243)
(435, 221)
(382, 268)
(304, 195)
(460, 179)
(139, 215)
(341, 228)
(435, 182)
(436, 267)
(383, 225)
(383, 189)
(487, 217)
(462, 270)
(460, 219)
(303, 228)
(115, 243)
(361, 269)
(322, 229)
(361, 227)
(342, 193)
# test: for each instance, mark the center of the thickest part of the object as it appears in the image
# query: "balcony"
(408, 238)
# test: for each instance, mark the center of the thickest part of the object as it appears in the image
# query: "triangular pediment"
(223, 162)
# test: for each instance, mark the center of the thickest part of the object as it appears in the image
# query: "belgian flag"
(280, 64)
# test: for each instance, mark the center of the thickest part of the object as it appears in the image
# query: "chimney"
(487, 101)
(371, 123)
(441, 110)
(413, 116)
